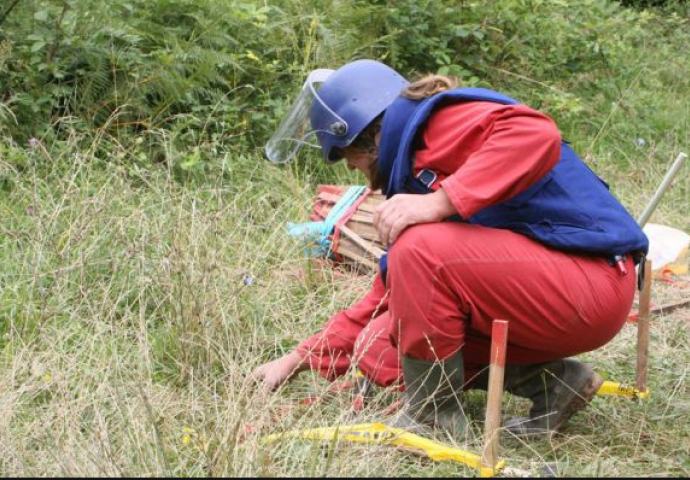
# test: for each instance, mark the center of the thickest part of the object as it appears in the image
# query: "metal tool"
(663, 187)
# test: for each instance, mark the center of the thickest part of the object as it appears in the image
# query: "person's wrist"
(298, 360)
(444, 207)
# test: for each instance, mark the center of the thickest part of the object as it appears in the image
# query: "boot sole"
(580, 401)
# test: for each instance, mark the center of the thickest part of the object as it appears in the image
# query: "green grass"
(127, 330)
(127, 333)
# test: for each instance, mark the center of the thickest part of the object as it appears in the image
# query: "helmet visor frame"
(295, 129)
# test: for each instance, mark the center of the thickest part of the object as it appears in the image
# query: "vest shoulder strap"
(479, 95)
(402, 175)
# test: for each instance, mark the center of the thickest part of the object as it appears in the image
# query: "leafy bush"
(647, 3)
(184, 77)
(141, 62)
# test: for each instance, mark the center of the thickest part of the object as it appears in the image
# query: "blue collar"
(400, 124)
(395, 120)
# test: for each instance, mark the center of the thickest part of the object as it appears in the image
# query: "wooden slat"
(357, 258)
(369, 246)
(350, 246)
(338, 190)
(367, 207)
(329, 197)
(361, 218)
(374, 200)
(366, 231)
(324, 209)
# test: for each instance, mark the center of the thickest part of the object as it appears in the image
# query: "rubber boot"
(432, 395)
(557, 389)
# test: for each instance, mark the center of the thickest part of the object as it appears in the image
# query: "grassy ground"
(132, 307)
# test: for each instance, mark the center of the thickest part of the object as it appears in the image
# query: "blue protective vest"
(570, 208)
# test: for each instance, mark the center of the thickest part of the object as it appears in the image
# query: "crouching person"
(490, 215)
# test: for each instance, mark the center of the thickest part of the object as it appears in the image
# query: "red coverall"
(448, 281)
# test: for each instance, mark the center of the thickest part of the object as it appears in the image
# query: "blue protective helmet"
(349, 100)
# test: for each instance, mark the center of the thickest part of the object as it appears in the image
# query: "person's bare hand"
(402, 211)
(275, 374)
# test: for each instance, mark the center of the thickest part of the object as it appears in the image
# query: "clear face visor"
(296, 131)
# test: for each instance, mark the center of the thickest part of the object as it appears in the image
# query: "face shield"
(296, 128)
(334, 107)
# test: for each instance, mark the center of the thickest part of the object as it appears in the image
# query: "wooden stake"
(499, 345)
(643, 328)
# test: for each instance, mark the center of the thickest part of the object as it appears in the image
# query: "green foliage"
(648, 3)
(177, 80)
(136, 203)
(134, 64)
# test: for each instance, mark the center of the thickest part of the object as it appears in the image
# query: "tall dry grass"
(132, 309)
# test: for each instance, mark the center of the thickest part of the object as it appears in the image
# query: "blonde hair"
(428, 86)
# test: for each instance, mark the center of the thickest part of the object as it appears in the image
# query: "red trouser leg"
(449, 281)
(376, 356)
(331, 351)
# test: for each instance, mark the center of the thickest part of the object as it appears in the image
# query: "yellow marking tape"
(381, 434)
(614, 389)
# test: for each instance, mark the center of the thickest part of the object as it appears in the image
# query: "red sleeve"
(491, 152)
(330, 350)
